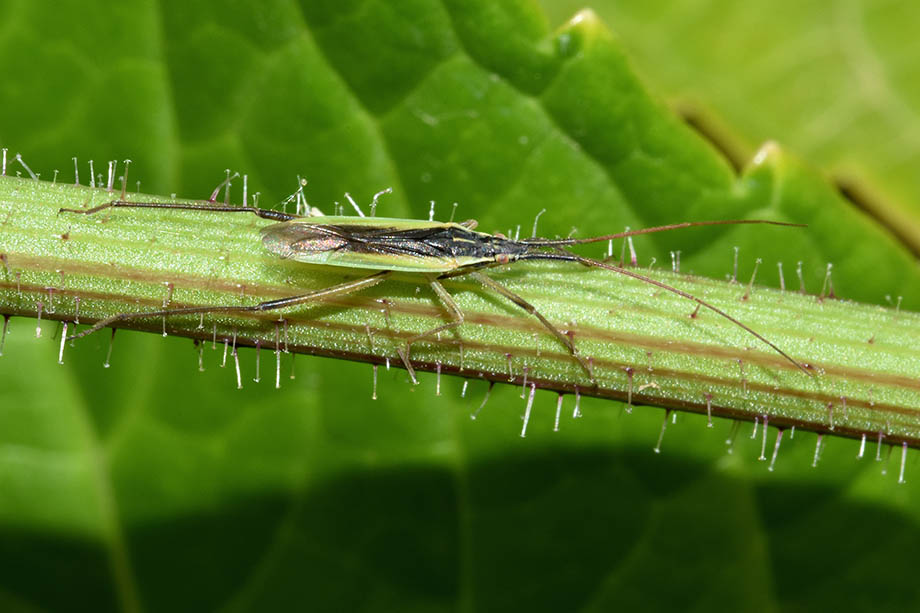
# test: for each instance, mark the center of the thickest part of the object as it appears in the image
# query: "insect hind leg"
(270, 214)
(269, 305)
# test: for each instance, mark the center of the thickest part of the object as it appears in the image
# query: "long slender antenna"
(563, 242)
(562, 254)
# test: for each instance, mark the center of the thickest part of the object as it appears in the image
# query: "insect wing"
(302, 242)
(368, 243)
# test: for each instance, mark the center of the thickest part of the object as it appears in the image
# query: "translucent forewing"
(377, 243)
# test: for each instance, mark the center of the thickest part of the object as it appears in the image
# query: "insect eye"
(502, 258)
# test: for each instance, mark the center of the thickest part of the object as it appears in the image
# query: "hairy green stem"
(643, 344)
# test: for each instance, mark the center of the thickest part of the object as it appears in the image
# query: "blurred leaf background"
(151, 486)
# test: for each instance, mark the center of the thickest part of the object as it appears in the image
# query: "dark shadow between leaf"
(551, 531)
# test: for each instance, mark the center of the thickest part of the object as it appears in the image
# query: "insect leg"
(456, 316)
(565, 340)
(269, 305)
(217, 208)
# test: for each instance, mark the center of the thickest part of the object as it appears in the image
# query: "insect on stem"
(431, 250)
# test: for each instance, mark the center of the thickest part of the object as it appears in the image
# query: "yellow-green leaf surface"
(834, 81)
(150, 485)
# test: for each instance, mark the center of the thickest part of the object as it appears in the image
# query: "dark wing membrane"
(429, 248)
(446, 241)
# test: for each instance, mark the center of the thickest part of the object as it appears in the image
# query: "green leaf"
(835, 83)
(152, 486)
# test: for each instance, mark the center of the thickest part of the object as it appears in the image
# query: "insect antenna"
(564, 242)
(561, 254)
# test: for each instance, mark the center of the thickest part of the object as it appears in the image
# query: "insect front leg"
(456, 316)
(565, 340)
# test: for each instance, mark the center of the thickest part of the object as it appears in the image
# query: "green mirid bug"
(432, 250)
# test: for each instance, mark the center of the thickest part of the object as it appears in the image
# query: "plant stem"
(644, 345)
